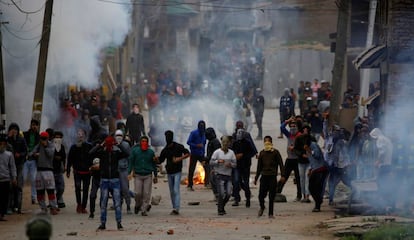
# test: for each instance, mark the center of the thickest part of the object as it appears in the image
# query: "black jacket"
(79, 158)
(134, 126)
(20, 147)
(108, 164)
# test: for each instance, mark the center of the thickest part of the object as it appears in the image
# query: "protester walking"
(142, 167)
(174, 153)
(268, 162)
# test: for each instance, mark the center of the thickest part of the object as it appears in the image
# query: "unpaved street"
(294, 220)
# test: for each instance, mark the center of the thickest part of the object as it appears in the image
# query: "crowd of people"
(105, 143)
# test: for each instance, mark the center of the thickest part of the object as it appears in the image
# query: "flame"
(199, 176)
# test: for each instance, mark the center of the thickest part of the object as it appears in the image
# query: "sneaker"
(260, 213)
(79, 208)
(129, 212)
(91, 216)
(144, 214)
(119, 226)
(297, 199)
(54, 211)
(271, 217)
(221, 213)
(136, 210)
(316, 210)
(190, 189)
(33, 201)
(235, 204)
(247, 203)
(61, 205)
(308, 201)
(149, 208)
(84, 211)
(174, 212)
(101, 227)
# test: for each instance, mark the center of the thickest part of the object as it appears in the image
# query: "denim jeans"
(240, 181)
(224, 191)
(123, 179)
(304, 178)
(30, 168)
(335, 176)
(112, 185)
(174, 186)
(60, 187)
(96, 183)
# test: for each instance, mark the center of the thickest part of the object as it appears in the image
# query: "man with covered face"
(244, 149)
(268, 162)
(142, 166)
(123, 169)
(174, 153)
(59, 165)
(109, 152)
(223, 160)
(384, 177)
(197, 142)
(80, 160)
(291, 163)
(286, 107)
(45, 182)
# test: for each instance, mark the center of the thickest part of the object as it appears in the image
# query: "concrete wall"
(285, 68)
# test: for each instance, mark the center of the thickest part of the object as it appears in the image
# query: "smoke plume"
(79, 32)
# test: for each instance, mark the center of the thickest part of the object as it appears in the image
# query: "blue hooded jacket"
(196, 137)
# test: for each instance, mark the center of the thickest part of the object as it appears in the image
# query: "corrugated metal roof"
(178, 7)
(371, 57)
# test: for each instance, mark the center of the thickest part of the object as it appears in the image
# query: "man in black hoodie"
(20, 152)
(135, 127)
(174, 153)
(212, 145)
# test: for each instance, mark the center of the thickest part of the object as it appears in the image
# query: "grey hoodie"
(7, 167)
(45, 159)
(384, 146)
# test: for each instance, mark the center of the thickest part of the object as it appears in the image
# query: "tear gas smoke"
(80, 30)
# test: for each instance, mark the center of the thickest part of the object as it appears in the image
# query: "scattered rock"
(72, 234)
(170, 232)
(280, 198)
(266, 237)
(156, 200)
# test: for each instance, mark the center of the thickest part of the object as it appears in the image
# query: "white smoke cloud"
(80, 30)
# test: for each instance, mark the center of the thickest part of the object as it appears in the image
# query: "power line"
(19, 37)
(22, 56)
(28, 12)
(229, 7)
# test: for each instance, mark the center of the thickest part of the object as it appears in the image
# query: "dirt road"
(294, 220)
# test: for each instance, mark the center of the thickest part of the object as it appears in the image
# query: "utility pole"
(2, 85)
(366, 73)
(340, 57)
(41, 68)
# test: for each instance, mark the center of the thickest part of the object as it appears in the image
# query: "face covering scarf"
(144, 145)
(268, 146)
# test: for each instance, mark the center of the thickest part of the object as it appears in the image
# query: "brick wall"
(401, 30)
